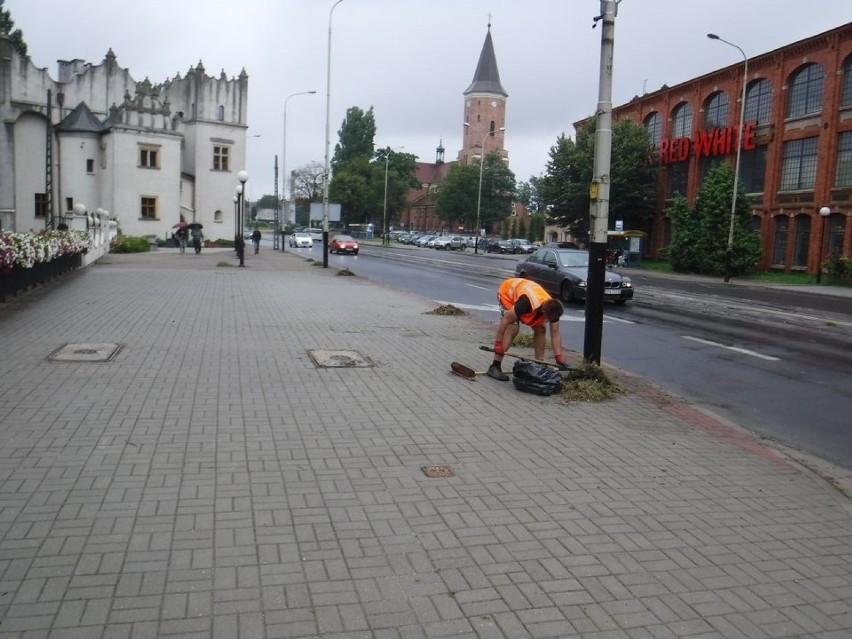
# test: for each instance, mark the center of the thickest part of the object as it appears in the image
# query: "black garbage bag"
(532, 377)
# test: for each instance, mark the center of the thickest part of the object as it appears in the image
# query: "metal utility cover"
(340, 359)
(99, 352)
(437, 471)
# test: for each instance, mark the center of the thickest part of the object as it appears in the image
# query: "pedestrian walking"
(524, 301)
(181, 235)
(255, 239)
(197, 237)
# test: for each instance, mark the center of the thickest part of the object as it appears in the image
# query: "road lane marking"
(736, 349)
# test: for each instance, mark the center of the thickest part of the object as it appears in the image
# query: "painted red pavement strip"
(713, 426)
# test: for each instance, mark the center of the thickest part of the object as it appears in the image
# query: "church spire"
(487, 77)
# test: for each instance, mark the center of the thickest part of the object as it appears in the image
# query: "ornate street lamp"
(824, 213)
(240, 241)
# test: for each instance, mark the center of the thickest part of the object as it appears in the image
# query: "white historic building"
(147, 154)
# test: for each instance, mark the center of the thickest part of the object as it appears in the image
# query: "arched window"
(804, 91)
(846, 90)
(779, 244)
(221, 113)
(716, 111)
(217, 215)
(682, 121)
(758, 101)
(803, 239)
(654, 127)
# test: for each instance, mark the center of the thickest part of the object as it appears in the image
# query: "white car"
(301, 240)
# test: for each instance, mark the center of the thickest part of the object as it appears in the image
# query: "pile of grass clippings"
(224, 263)
(588, 383)
(447, 309)
(525, 340)
(345, 271)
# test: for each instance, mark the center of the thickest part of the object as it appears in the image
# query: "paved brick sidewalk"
(211, 480)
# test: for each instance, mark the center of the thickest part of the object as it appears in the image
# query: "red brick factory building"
(796, 156)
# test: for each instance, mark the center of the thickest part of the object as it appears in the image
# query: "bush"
(129, 244)
(838, 268)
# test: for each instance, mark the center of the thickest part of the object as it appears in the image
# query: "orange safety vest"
(513, 288)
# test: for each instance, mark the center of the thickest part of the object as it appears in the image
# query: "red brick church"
(483, 126)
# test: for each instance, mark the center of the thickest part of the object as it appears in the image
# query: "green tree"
(457, 194)
(564, 188)
(700, 234)
(16, 36)
(355, 137)
(353, 186)
(401, 178)
(527, 194)
(498, 190)
(521, 228)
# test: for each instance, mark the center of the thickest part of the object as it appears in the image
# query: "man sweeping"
(525, 301)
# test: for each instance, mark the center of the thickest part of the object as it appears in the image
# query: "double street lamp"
(240, 202)
(385, 236)
(479, 196)
(730, 249)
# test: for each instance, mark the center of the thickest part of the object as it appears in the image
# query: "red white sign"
(709, 142)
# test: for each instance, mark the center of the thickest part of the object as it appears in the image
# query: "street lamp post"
(236, 223)
(824, 212)
(327, 141)
(729, 253)
(385, 237)
(284, 155)
(479, 195)
(241, 193)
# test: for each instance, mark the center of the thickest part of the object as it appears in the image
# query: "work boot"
(494, 372)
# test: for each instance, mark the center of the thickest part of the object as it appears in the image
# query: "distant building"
(796, 156)
(483, 118)
(150, 155)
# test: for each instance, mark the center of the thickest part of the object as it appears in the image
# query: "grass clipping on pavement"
(583, 383)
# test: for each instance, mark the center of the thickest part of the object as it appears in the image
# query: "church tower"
(484, 108)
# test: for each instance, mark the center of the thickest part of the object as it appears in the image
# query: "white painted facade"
(146, 154)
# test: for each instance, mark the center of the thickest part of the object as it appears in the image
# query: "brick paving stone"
(210, 481)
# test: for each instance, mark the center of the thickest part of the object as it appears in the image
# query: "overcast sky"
(412, 59)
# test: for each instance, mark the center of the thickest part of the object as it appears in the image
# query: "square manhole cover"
(100, 352)
(340, 359)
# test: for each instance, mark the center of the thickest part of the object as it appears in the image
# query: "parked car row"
(436, 240)
(514, 246)
(460, 242)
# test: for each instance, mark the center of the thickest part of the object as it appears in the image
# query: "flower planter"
(17, 279)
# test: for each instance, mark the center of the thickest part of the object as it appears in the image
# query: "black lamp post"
(240, 241)
(236, 226)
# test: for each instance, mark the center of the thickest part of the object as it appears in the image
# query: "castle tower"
(484, 108)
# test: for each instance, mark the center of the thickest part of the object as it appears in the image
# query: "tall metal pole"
(276, 233)
(327, 141)
(729, 252)
(599, 190)
(385, 239)
(284, 196)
